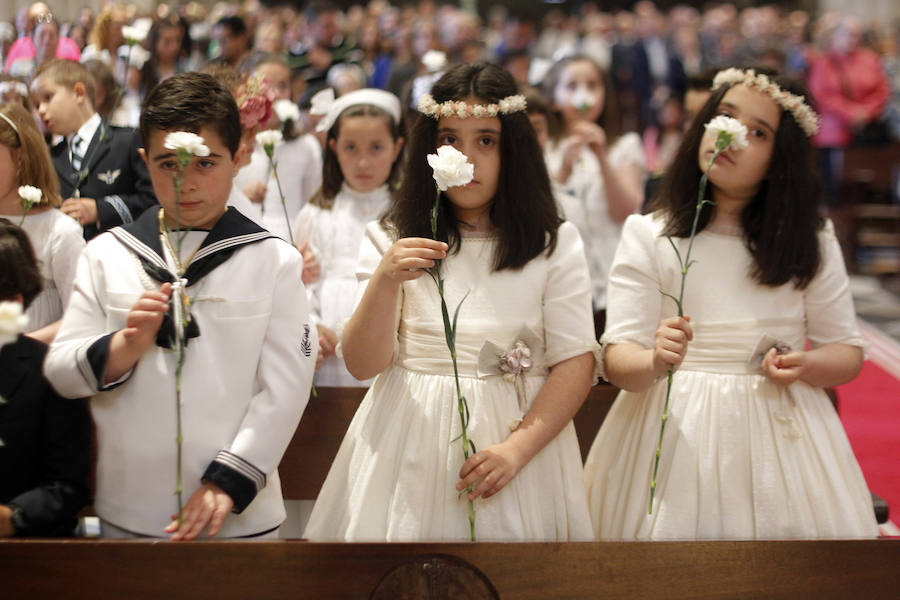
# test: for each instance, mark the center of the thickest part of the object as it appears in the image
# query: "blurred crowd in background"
(649, 55)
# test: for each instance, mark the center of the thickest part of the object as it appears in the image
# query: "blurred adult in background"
(106, 36)
(42, 30)
(170, 47)
(233, 39)
(849, 86)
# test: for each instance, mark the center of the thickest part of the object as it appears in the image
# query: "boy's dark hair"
(523, 211)
(19, 269)
(66, 73)
(332, 177)
(609, 118)
(781, 223)
(189, 101)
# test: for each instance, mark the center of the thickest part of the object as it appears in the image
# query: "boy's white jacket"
(245, 382)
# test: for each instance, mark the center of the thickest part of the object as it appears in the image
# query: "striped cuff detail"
(237, 478)
(243, 467)
(120, 207)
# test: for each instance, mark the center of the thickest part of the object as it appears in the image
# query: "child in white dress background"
(56, 238)
(400, 472)
(362, 156)
(601, 170)
(752, 446)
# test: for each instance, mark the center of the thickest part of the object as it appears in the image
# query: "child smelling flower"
(751, 448)
(400, 473)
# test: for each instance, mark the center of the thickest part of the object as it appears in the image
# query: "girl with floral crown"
(56, 238)
(361, 162)
(524, 345)
(751, 445)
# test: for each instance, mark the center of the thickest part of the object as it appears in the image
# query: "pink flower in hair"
(254, 100)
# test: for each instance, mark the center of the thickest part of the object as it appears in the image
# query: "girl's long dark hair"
(523, 211)
(781, 223)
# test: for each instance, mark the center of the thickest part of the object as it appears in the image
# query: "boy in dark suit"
(45, 440)
(101, 175)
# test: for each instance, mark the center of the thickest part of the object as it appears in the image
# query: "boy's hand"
(145, 317)
(83, 210)
(328, 340)
(208, 506)
(784, 369)
(129, 343)
(406, 259)
(671, 341)
(311, 267)
(256, 191)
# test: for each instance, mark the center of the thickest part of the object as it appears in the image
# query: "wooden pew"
(306, 461)
(102, 570)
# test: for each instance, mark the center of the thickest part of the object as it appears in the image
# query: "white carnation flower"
(286, 110)
(187, 141)
(133, 34)
(434, 60)
(451, 167)
(728, 131)
(30, 194)
(269, 138)
(12, 321)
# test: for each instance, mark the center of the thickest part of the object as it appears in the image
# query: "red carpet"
(870, 410)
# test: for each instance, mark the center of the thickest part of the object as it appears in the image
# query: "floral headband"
(805, 116)
(254, 100)
(459, 108)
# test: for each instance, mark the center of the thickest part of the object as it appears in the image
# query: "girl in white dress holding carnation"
(602, 171)
(56, 238)
(752, 447)
(525, 349)
(362, 155)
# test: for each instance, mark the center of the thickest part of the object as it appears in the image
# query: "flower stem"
(685, 265)
(287, 219)
(450, 337)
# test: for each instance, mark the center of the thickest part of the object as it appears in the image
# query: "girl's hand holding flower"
(256, 191)
(592, 135)
(671, 342)
(489, 470)
(408, 257)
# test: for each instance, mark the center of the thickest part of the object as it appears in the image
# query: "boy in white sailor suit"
(250, 353)
(102, 178)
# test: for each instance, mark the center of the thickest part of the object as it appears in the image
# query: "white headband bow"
(380, 98)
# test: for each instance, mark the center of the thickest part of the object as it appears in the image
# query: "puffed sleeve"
(633, 298)
(628, 150)
(567, 312)
(830, 315)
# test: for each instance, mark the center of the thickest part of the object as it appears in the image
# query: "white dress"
(586, 196)
(58, 242)
(741, 457)
(334, 235)
(294, 159)
(394, 476)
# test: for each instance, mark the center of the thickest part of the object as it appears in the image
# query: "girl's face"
(479, 140)
(9, 167)
(366, 151)
(740, 173)
(579, 94)
(168, 44)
